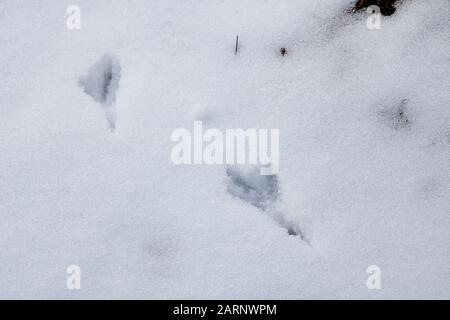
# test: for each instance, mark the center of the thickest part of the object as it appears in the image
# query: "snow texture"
(364, 179)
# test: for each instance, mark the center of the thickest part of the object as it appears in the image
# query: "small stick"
(237, 45)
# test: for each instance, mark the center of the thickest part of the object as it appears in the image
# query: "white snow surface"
(365, 186)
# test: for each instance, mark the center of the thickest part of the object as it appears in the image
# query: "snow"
(364, 150)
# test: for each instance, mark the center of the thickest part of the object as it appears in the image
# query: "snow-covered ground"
(87, 179)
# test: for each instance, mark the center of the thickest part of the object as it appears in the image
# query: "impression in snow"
(397, 116)
(102, 83)
(386, 6)
(261, 192)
